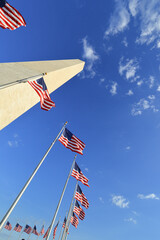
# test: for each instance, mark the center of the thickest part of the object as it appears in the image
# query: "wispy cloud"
(149, 14)
(101, 200)
(146, 12)
(128, 148)
(15, 141)
(120, 201)
(124, 42)
(113, 89)
(149, 196)
(151, 81)
(130, 220)
(128, 68)
(133, 7)
(90, 55)
(119, 20)
(144, 104)
(129, 93)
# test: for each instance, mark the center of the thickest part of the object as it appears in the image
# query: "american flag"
(79, 211)
(42, 231)
(8, 226)
(18, 228)
(64, 223)
(77, 173)
(41, 89)
(46, 234)
(9, 16)
(35, 231)
(81, 197)
(74, 220)
(54, 232)
(72, 142)
(27, 229)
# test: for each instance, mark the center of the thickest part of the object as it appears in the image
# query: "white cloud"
(139, 83)
(101, 200)
(144, 104)
(133, 7)
(129, 93)
(120, 201)
(150, 196)
(101, 80)
(128, 68)
(119, 20)
(151, 81)
(15, 142)
(125, 43)
(149, 14)
(113, 89)
(146, 12)
(131, 220)
(90, 55)
(128, 148)
(158, 89)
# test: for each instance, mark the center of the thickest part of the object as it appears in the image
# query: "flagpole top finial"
(45, 73)
(66, 122)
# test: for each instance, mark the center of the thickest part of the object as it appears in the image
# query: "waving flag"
(77, 173)
(79, 211)
(42, 231)
(27, 229)
(64, 223)
(17, 228)
(46, 234)
(81, 197)
(35, 231)
(8, 226)
(74, 220)
(55, 230)
(71, 141)
(41, 89)
(9, 17)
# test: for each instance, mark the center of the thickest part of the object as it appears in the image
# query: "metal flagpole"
(69, 213)
(21, 232)
(10, 234)
(29, 180)
(69, 224)
(61, 228)
(22, 81)
(60, 200)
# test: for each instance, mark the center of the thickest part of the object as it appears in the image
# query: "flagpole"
(29, 180)
(21, 233)
(69, 224)
(69, 213)
(60, 200)
(62, 228)
(10, 234)
(24, 80)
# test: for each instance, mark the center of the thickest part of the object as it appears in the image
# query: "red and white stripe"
(74, 144)
(45, 100)
(79, 211)
(8, 226)
(80, 177)
(82, 199)
(10, 18)
(74, 221)
(18, 228)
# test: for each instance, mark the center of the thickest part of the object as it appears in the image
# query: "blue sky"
(113, 106)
